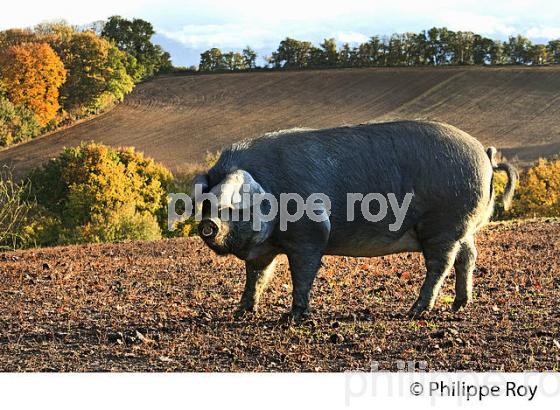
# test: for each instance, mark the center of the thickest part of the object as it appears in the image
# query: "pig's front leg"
(258, 273)
(303, 267)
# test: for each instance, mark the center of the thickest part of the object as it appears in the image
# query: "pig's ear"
(202, 181)
(237, 190)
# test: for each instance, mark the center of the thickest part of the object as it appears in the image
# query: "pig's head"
(228, 211)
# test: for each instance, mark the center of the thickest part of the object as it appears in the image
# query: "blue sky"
(188, 27)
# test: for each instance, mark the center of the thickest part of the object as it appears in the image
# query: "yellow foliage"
(538, 192)
(499, 182)
(98, 193)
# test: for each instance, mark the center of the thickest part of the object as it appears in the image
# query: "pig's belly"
(359, 245)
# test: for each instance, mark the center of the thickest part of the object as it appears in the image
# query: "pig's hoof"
(299, 314)
(285, 319)
(417, 311)
(244, 313)
(459, 304)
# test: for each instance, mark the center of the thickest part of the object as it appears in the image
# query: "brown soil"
(168, 306)
(177, 119)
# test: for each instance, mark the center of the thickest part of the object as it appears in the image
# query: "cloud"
(220, 35)
(350, 37)
(543, 32)
(478, 23)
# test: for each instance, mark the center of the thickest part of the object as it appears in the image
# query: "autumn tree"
(54, 29)
(538, 192)
(32, 74)
(95, 193)
(233, 61)
(16, 36)
(211, 60)
(97, 72)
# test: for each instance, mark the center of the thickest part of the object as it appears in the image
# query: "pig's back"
(430, 158)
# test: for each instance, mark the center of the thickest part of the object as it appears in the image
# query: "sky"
(185, 28)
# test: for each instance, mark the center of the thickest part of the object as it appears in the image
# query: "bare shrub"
(14, 209)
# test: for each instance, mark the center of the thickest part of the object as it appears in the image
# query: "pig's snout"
(208, 229)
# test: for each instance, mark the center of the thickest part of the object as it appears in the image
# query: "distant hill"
(177, 119)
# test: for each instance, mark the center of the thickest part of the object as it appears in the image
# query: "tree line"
(436, 47)
(215, 60)
(55, 73)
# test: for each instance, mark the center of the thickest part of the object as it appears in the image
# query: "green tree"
(483, 50)
(498, 53)
(396, 50)
(412, 49)
(346, 55)
(461, 47)
(518, 49)
(421, 45)
(370, 53)
(538, 54)
(17, 123)
(249, 57)
(328, 53)
(438, 50)
(134, 36)
(293, 53)
(553, 48)
(211, 60)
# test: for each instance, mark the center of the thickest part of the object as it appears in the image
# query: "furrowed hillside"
(178, 119)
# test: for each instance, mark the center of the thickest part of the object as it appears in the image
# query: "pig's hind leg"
(464, 266)
(439, 256)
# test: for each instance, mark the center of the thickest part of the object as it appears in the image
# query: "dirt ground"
(178, 119)
(168, 306)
